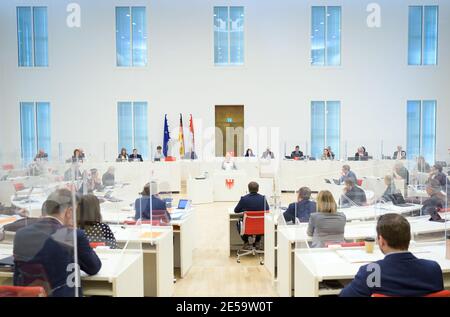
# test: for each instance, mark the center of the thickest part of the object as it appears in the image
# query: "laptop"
(183, 204)
(398, 200)
(7, 262)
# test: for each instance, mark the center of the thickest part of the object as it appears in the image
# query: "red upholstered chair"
(359, 182)
(170, 159)
(97, 244)
(443, 293)
(19, 186)
(22, 291)
(252, 225)
(7, 167)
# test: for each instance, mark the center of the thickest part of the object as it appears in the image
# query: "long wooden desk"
(121, 274)
(314, 267)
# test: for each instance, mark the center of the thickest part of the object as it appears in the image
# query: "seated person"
(399, 154)
(123, 156)
(326, 225)
(251, 202)
(390, 188)
(331, 151)
(297, 154)
(361, 153)
(91, 182)
(437, 174)
(353, 195)
(41, 156)
(400, 172)
(44, 251)
(400, 272)
(422, 166)
(249, 153)
(436, 200)
(73, 173)
(190, 155)
(135, 157)
(302, 209)
(90, 220)
(347, 174)
(159, 155)
(228, 164)
(108, 179)
(77, 156)
(150, 206)
(326, 155)
(268, 154)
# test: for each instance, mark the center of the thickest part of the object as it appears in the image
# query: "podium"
(229, 185)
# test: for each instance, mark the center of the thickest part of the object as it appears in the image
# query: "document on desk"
(150, 235)
(6, 220)
(359, 255)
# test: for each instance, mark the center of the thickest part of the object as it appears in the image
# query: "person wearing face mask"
(44, 251)
(400, 272)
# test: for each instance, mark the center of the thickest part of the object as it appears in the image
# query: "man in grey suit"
(347, 174)
(353, 195)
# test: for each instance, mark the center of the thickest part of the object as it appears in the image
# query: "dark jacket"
(44, 254)
(402, 155)
(133, 157)
(302, 210)
(432, 204)
(159, 210)
(390, 190)
(252, 202)
(442, 179)
(355, 196)
(295, 154)
(108, 179)
(402, 274)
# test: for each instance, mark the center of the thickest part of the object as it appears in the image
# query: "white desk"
(120, 275)
(200, 191)
(314, 266)
(374, 211)
(294, 237)
(295, 174)
(184, 235)
(229, 185)
(158, 255)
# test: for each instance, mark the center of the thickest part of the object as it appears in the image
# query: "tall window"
(133, 131)
(131, 36)
(32, 36)
(325, 36)
(229, 35)
(423, 35)
(421, 129)
(35, 129)
(325, 127)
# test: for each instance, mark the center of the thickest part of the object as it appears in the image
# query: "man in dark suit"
(436, 201)
(297, 154)
(150, 206)
(353, 195)
(41, 156)
(302, 209)
(400, 273)
(44, 250)
(251, 202)
(437, 174)
(399, 154)
(135, 157)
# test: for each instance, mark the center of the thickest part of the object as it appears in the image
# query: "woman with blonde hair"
(326, 225)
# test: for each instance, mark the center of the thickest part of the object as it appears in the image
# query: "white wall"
(276, 84)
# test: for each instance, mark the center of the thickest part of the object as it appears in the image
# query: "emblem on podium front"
(229, 182)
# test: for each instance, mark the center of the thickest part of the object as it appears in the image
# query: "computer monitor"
(183, 204)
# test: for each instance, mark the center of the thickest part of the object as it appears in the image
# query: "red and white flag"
(191, 134)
